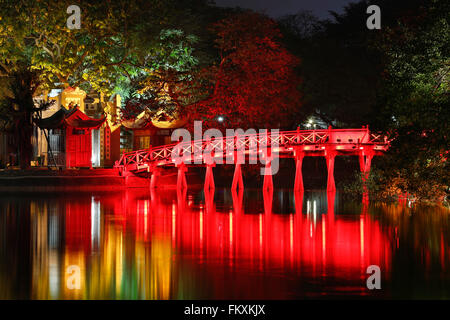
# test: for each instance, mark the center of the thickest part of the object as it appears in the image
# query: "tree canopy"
(415, 99)
(253, 83)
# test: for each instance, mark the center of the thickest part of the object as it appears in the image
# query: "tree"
(170, 60)
(91, 56)
(340, 67)
(38, 50)
(166, 83)
(18, 107)
(253, 84)
(106, 50)
(415, 98)
(302, 25)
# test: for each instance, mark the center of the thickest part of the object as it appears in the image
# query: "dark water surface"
(135, 244)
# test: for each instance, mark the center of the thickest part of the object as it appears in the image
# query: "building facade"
(68, 138)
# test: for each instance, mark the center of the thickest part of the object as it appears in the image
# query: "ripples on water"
(135, 244)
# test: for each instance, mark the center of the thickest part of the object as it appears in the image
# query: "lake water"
(135, 244)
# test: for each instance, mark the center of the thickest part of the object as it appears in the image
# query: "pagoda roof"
(140, 124)
(72, 117)
(142, 121)
(145, 121)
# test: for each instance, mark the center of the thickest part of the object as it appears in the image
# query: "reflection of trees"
(15, 268)
(419, 236)
(424, 227)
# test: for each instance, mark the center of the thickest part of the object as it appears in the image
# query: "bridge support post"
(365, 161)
(330, 156)
(154, 178)
(298, 184)
(238, 182)
(209, 177)
(237, 196)
(181, 177)
(268, 200)
(331, 197)
(268, 181)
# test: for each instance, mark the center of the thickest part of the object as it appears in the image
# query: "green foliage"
(116, 38)
(120, 43)
(170, 54)
(415, 102)
(395, 79)
(166, 78)
(375, 184)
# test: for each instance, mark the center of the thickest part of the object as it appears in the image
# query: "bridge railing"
(257, 140)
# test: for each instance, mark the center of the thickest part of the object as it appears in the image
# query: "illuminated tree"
(166, 81)
(414, 102)
(254, 83)
(18, 107)
(104, 54)
(92, 55)
(38, 52)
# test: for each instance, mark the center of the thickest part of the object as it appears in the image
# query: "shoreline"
(42, 180)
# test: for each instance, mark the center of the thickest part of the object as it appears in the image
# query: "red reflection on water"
(316, 241)
(318, 244)
(161, 245)
(78, 226)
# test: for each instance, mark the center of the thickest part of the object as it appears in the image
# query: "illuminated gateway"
(79, 130)
(85, 130)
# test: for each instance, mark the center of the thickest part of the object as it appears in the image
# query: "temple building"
(79, 130)
(69, 133)
(84, 129)
(146, 131)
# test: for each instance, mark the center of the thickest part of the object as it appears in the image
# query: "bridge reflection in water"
(149, 245)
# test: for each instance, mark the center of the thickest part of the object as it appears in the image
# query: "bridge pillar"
(156, 172)
(209, 177)
(268, 181)
(365, 161)
(268, 200)
(331, 197)
(330, 156)
(298, 184)
(181, 200)
(181, 177)
(209, 200)
(238, 182)
(237, 196)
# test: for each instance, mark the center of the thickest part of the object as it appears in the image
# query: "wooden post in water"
(181, 177)
(330, 156)
(155, 171)
(209, 177)
(238, 182)
(365, 161)
(268, 182)
(298, 184)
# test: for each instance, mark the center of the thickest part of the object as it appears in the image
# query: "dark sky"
(277, 8)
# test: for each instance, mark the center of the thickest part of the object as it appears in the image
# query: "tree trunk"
(24, 132)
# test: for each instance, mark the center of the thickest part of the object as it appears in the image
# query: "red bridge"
(327, 143)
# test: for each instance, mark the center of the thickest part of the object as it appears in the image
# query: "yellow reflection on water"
(104, 274)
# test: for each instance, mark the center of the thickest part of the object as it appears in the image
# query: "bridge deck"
(237, 149)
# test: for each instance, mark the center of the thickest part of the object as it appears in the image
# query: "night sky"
(277, 8)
